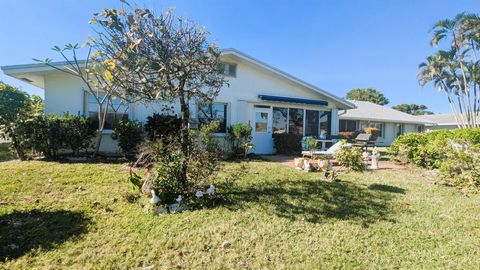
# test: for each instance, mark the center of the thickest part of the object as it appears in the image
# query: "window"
(312, 123)
(295, 121)
(420, 128)
(377, 125)
(117, 109)
(261, 121)
(280, 116)
(400, 129)
(209, 112)
(228, 69)
(348, 126)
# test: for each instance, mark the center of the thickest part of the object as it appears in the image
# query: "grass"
(273, 217)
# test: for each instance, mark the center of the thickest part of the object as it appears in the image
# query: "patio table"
(324, 142)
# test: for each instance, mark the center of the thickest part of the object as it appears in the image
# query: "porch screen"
(325, 123)
(295, 121)
(312, 123)
(280, 120)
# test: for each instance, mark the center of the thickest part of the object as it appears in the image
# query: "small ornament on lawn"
(226, 244)
(199, 194)
(211, 190)
(161, 211)
(155, 198)
(306, 166)
(375, 158)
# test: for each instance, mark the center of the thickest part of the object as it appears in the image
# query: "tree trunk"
(17, 147)
(184, 139)
(101, 125)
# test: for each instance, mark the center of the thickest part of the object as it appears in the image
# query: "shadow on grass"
(21, 232)
(386, 188)
(315, 201)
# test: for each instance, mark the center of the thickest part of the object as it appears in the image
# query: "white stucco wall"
(391, 133)
(64, 93)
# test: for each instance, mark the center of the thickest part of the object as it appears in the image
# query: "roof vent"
(26, 80)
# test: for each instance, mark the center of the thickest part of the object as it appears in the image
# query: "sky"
(336, 45)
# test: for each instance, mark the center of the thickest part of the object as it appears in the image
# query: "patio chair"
(329, 153)
(364, 140)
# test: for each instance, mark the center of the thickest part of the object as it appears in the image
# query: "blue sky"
(336, 44)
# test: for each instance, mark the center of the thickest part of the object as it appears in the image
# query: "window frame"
(226, 69)
(382, 129)
(89, 112)
(226, 115)
(320, 111)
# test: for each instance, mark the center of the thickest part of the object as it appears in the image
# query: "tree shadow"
(315, 201)
(21, 232)
(387, 188)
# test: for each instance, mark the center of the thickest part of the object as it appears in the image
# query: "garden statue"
(299, 163)
(306, 166)
(155, 198)
(199, 194)
(211, 190)
(366, 157)
(375, 158)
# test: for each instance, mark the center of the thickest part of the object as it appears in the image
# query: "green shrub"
(162, 126)
(78, 132)
(405, 147)
(240, 139)
(456, 153)
(201, 163)
(461, 167)
(53, 133)
(350, 158)
(287, 143)
(166, 184)
(128, 133)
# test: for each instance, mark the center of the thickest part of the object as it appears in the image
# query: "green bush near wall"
(52, 133)
(287, 144)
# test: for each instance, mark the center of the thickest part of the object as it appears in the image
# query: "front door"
(262, 130)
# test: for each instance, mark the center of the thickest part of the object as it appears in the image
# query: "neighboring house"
(271, 100)
(441, 121)
(391, 123)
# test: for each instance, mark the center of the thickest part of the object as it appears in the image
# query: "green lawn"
(274, 218)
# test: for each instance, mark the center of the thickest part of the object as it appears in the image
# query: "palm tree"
(456, 71)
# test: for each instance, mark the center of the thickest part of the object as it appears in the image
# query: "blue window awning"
(294, 100)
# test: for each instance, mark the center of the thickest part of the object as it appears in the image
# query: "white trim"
(373, 119)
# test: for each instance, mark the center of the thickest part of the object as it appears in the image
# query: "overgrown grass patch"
(271, 217)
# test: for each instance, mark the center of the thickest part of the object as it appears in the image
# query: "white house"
(271, 100)
(442, 121)
(390, 122)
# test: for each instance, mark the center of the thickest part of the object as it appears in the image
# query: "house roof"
(233, 52)
(31, 73)
(442, 119)
(373, 112)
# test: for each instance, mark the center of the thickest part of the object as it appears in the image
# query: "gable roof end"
(346, 104)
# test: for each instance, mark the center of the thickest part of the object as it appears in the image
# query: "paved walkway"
(288, 161)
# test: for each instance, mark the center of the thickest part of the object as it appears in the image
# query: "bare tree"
(159, 58)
